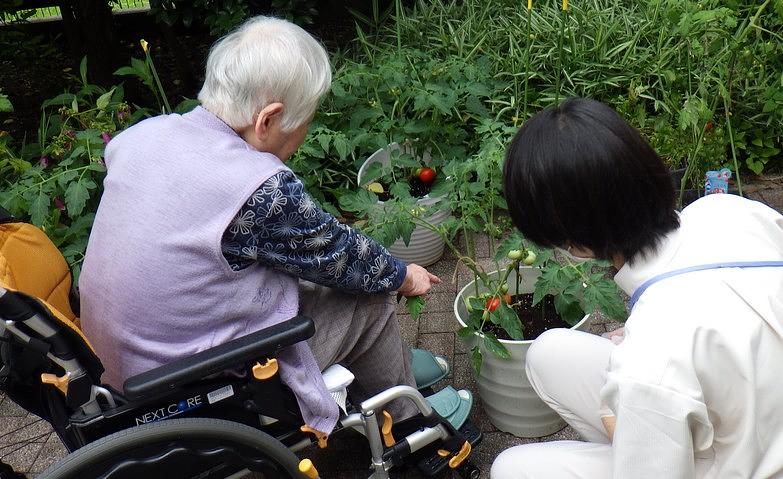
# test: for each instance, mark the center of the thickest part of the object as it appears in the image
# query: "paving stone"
(16, 430)
(597, 328)
(438, 343)
(444, 270)
(434, 322)
(462, 373)
(409, 329)
(492, 445)
(465, 275)
(773, 198)
(51, 452)
(10, 408)
(440, 303)
(566, 434)
(22, 459)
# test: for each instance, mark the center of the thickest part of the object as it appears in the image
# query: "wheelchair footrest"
(433, 463)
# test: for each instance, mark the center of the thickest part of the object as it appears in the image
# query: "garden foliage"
(702, 80)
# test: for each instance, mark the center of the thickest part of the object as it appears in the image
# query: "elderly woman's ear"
(268, 121)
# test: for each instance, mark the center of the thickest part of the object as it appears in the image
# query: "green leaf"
(509, 320)
(415, 305)
(103, 100)
(76, 196)
(405, 230)
(39, 209)
(605, 296)
(494, 346)
(340, 144)
(476, 359)
(83, 70)
(359, 201)
(5, 104)
(62, 99)
(186, 105)
(465, 332)
(568, 308)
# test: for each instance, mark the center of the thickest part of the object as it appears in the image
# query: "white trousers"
(567, 369)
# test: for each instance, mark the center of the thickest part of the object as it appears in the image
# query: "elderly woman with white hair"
(203, 234)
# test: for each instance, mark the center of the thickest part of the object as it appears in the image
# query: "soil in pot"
(419, 189)
(535, 319)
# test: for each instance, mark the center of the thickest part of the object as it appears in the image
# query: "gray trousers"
(361, 333)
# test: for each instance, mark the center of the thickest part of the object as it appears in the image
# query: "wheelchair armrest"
(266, 342)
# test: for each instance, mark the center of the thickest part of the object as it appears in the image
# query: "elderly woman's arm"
(281, 226)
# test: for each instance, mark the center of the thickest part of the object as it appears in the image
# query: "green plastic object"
(428, 368)
(452, 405)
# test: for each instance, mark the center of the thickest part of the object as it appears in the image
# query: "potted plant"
(500, 314)
(396, 184)
(524, 292)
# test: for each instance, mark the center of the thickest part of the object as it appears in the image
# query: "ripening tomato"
(427, 175)
(508, 298)
(493, 303)
(709, 126)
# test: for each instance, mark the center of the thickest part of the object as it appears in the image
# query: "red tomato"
(427, 175)
(708, 126)
(493, 303)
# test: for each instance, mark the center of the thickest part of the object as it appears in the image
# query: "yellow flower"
(144, 46)
(530, 4)
(565, 5)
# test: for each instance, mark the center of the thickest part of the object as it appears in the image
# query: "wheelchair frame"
(193, 387)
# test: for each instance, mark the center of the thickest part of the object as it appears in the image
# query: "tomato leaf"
(415, 305)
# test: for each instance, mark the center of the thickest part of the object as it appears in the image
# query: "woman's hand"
(615, 336)
(417, 281)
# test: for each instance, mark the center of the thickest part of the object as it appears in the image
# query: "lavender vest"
(155, 286)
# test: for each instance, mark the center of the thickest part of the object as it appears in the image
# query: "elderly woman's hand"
(417, 281)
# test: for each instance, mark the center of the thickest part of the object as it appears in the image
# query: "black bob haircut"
(579, 174)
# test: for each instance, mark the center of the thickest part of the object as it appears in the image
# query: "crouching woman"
(692, 391)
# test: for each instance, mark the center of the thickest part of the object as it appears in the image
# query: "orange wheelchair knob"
(60, 383)
(266, 371)
(386, 429)
(321, 437)
(307, 468)
(463, 453)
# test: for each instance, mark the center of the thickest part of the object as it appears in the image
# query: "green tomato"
(530, 258)
(504, 288)
(515, 254)
(468, 306)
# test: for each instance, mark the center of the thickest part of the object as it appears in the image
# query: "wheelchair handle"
(384, 397)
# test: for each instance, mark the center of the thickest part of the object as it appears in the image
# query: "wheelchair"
(221, 413)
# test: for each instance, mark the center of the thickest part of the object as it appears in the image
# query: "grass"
(51, 12)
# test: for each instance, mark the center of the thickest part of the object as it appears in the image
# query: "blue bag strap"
(736, 264)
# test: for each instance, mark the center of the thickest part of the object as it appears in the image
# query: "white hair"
(265, 60)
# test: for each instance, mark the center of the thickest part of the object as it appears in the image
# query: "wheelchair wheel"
(180, 449)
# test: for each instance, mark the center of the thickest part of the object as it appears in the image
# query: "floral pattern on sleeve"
(281, 226)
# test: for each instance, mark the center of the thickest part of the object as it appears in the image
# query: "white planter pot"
(425, 247)
(506, 393)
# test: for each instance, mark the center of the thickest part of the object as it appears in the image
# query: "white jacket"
(696, 386)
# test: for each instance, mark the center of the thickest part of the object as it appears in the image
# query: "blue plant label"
(717, 181)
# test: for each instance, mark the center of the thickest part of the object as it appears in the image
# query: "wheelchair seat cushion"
(32, 268)
(30, 263)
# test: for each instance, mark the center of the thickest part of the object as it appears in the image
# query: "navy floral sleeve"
(281, 226)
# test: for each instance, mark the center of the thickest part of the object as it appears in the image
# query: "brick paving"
(29, 445)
